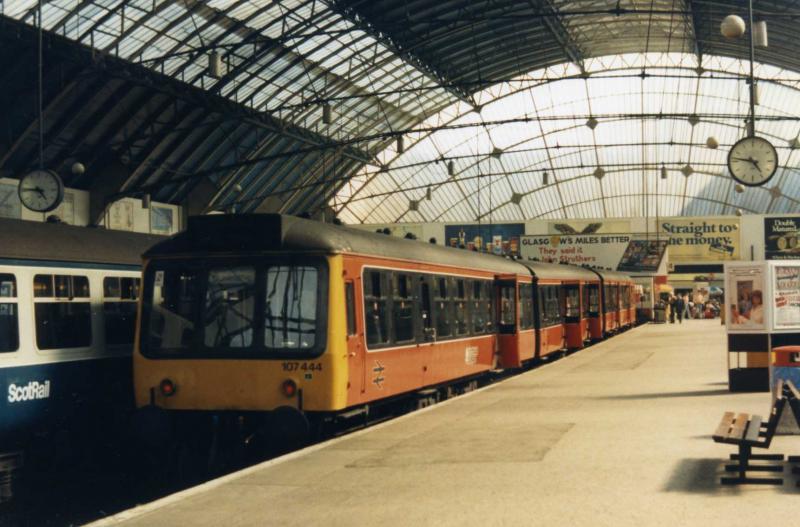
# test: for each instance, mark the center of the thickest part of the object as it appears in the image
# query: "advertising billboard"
(493, 238)
(781, 238)
(620, 252)
(701, 239)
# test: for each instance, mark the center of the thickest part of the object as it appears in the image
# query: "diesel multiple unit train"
(68, 298)
(279, 324)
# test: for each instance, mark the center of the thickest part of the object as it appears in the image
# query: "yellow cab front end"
(242, 335)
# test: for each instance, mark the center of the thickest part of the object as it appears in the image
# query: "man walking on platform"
(672, 308)
(680, 305)
(687, 307)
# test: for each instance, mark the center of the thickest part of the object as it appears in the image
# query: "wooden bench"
(748, 432)
(793, 396)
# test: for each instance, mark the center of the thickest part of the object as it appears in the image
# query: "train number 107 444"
(302, 366)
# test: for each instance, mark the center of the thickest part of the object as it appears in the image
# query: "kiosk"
(762, 312)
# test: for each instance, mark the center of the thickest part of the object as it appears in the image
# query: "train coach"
(68, 298)
(277, 323)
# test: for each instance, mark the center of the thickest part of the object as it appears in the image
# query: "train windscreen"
(234, 309)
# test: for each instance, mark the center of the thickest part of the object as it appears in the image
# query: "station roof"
(503, 89)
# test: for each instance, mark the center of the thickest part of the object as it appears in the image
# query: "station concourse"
(446, 262)
(631, 446)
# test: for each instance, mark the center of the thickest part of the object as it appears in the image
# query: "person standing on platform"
(688, 310)
(680, 306)
(672, 309)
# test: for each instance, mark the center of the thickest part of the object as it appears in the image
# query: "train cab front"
(237, 343)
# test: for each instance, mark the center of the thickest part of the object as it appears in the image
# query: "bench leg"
(764, 457)
(745, 454)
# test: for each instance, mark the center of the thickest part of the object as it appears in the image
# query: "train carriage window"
(476, 306)
(488, 305)
(461, 306)
(291, 307)
(229, 310)
(9, 314)
(63, 318)
(119, 309)
(443, 304)
(350, 304)
(376, 307)
(526, 306)
(551, 302)
(403, 309)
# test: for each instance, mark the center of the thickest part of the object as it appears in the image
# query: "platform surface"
(618, 434)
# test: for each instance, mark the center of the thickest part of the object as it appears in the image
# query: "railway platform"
(617, 434)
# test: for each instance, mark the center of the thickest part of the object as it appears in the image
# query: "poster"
(781, 238)
(744, 298)
(161, 220)
(10, 206)
(643, 255)
(120, 216)
(787, 297)
(605, 251)
(701, 239)
(66, 211)
(501, 239)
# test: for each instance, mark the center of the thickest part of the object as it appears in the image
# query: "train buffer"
(747, 432)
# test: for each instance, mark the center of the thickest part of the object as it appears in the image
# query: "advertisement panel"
(620, 252)
(702, 239)
(744, 297)
(501, 239)
(588, 226)
(780, 238)
(786, 292)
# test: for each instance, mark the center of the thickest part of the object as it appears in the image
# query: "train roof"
(559, 271)
(58, 242)
(229, 233)
(613, 275)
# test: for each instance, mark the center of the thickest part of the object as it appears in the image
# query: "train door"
(507, 323)
(572, 316)
(593, 310)
(355, 349)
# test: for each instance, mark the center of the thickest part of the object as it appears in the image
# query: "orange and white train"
(286, 322)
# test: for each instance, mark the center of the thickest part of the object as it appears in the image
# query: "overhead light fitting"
(712, 142)
(545, 178)
(687, 170)
(775, 192)
(401, 146)
(732, 26)
(739, 188)
(663, 172)
(497, 152)
(760, 34)
(327, 114)
(146, 201)
(215, 65)
(451, 168)
(693, 120)
(428, 193)
(599, 173)
(516, 198)
(413, 205)
(592, 123)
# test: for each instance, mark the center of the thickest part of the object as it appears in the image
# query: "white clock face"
(41, 191)
(752, 161)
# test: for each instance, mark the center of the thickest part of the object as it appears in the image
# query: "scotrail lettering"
(29, 392)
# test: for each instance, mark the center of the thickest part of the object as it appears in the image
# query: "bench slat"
(739, 427)
(724, 426)
(793, 389)
(753, 429)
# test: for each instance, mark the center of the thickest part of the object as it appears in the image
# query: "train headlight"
(167, 388)
(289, 388)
